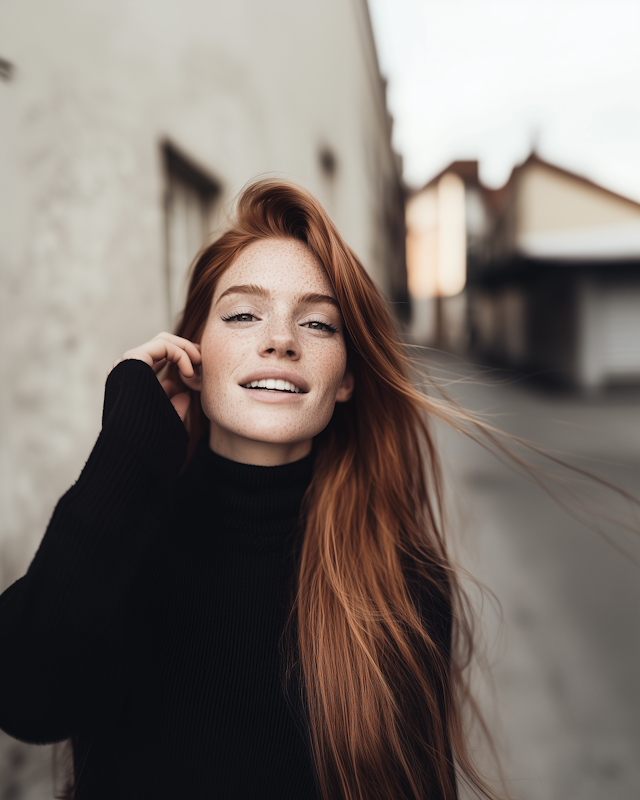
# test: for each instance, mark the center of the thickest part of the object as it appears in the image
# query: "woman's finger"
(190, 348)
(159, 365)
(180, 357)
(161, 349)
(164, 348)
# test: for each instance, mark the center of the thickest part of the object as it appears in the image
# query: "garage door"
(620, 333)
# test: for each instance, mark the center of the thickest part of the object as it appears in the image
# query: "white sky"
(486, 78)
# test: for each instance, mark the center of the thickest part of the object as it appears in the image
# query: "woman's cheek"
(334, 365)
(219, 356)
(213, 381)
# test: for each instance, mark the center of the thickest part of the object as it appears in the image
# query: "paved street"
(566, 661)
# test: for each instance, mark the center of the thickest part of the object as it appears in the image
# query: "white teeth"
(273, 383)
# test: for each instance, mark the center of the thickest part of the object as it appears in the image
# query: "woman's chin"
(275, 437)
(280, 419)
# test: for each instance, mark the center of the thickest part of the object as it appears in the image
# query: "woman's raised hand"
(165, 348)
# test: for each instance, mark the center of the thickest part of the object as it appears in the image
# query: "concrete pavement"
(566, 658)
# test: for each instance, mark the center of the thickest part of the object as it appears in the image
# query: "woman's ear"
(195, 381)
(346, 387)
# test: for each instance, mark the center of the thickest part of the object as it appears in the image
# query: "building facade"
(446, 222)
(552, 275)
(128, 127)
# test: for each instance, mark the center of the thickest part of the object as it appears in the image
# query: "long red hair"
(377, 630)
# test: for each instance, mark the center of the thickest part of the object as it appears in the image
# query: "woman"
(247, 593)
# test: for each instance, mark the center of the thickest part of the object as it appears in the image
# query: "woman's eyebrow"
(260, 291)
(314, 297)
(245, 288)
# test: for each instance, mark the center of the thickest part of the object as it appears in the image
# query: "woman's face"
(274, 359)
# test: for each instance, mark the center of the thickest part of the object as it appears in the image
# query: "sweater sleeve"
(62, 626)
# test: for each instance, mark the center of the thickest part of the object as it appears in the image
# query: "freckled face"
(273, 350)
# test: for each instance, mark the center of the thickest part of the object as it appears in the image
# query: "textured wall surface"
(243, 88)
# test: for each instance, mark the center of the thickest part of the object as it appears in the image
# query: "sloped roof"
(467, 170)
(613, 240)
(534, 158)
(574, 219)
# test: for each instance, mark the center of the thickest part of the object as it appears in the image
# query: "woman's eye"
(243, 317)
(316, 325)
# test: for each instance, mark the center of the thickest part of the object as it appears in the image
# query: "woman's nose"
(280, 340)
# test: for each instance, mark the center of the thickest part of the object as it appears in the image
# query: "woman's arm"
(62, 625)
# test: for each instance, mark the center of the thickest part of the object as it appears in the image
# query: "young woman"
(247, 593)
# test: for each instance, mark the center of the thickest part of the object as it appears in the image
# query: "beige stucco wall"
(548, 200)
(244, 88)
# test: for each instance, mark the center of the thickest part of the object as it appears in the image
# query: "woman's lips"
(274, 379)
(274, 395)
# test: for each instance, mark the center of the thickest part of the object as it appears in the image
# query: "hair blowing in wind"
(382, 687)
(382, 677)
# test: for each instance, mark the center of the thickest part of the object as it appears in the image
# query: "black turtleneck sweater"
(148, 628)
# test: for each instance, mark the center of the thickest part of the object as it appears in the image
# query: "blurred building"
(127, 129)
(552, 274)
(444, 222)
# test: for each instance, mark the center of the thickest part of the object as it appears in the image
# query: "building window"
(189, 203)
(328, 162)
(6, 69)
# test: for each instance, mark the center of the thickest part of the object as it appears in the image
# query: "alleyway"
(566, 665)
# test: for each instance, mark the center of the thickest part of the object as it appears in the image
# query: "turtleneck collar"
(259, 503)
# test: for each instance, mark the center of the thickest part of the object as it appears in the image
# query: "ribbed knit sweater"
(149, 625)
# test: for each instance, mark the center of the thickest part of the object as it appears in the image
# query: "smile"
(272, 384)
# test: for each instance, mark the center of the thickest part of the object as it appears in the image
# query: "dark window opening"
(328, 162)
(189, 205)
(6, 69)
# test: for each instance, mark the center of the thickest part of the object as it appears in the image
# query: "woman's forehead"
(278, 265)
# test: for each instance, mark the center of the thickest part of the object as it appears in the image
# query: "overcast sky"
(487, 78)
